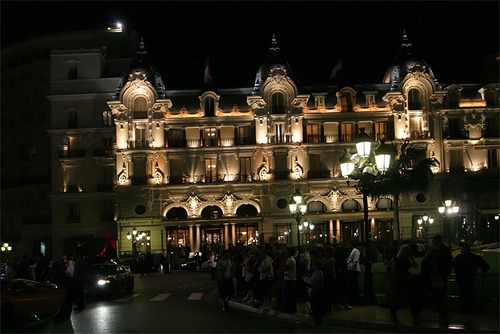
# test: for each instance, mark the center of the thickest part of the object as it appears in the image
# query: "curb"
(359, 324)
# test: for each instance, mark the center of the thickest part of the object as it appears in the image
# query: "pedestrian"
(266, 279)
(303, 269)
(212, 264)
(330, 276)
(224, 278)
(436, 266)
(79, 281)
(290, 282)
(353, 272)
(466, 265)
(279, 276)
(64, 280)
(400, 284)
(341, 293)
(249, 277)
(316, 286)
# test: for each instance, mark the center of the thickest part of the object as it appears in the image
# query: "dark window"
(346, 102)
(414, 100)
(313, 133)
(209, 107)
(73, 120)
(278, 104)
(73, 72)
(140, 209)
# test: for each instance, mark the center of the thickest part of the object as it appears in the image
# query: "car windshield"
(102, 269)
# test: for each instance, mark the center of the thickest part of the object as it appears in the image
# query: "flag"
(336, 68)
(208, 77)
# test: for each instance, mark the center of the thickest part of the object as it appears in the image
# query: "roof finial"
(142, 48)
(405, 42)
(274, 44)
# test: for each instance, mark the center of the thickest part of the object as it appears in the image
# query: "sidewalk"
(377, 318)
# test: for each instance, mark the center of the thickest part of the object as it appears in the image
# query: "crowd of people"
(313, 279)
(319, 279)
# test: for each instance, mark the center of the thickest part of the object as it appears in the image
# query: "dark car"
(108, 280)
(27, 305)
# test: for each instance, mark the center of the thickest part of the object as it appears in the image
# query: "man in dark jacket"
(466, 265)
(435, 268)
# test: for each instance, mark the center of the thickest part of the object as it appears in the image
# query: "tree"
(407, 174)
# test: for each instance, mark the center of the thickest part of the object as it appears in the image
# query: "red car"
(27, 304)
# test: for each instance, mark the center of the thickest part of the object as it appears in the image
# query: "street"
(178, 302)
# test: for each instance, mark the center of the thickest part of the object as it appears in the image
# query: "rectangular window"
(416, 126)
(370, 99)
(176, 138)
(245, 136)
(140, 138)
(210, 136)
(493, 161)
(313, 133)
(380, 130)
(73, 120)
(246, 235)
(283, 233)
(456, 161)
(210, 170)
(245, 169)
(107, 118)
(73, 71)
(319, 101)
(73, 213)
(279, 132)
(346, 132)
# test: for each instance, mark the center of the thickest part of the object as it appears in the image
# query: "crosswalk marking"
(195, 296)
(126, 298)
(160, 297)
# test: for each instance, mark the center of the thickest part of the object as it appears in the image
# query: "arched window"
(211, 212)
(209, 107)
(176, 213)
(278, 103)
(246, 210)
(414, 99)
(316, 206)
(140, 108)
(346, 101)
(351, 205)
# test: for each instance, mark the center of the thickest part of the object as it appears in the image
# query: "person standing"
(290, 282)
(79, 282)
(212, 264)
(400, 287)
(353, 272)
(224, 278)
(330, 275)
(266, 279)
(466, 265)
(316, 284)
(436, 266)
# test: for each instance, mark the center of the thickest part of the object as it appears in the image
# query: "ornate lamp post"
(360, 167)
(426, 221)
(132, 238)
(307, 227)
(6, 248)
(297, 208)
(448, 210)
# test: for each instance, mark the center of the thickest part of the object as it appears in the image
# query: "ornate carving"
(256, 102)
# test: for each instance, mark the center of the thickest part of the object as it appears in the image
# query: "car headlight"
(103, 281)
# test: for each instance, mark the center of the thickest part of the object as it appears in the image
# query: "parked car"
(108, 280)
(27, 305)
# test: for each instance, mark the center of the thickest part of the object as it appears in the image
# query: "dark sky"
(458, 39)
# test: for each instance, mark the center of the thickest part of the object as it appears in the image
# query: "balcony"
(71, 153)
(105, 187)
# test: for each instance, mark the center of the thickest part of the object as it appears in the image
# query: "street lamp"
(449, 209)
(297, 208)
(132, 237)
(307, 227)
(360, 167)
(6, 247)
(426, 221)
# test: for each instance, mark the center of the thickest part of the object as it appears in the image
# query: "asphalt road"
(178, 302)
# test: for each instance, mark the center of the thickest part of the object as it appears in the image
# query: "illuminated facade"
(216, 166)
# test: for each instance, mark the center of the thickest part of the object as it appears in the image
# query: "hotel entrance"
(212, 240)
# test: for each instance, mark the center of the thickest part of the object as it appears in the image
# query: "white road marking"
(160, 297)
(127, 298)
(195, 296)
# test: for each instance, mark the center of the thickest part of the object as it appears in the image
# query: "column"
(226, 235)
(372, 229)
(233, 234)
(338, 234)
(198, 238)
(330, 231)
(191, 245)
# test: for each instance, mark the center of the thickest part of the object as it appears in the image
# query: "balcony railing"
(71, 153)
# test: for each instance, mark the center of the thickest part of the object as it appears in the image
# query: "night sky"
(458, 39)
